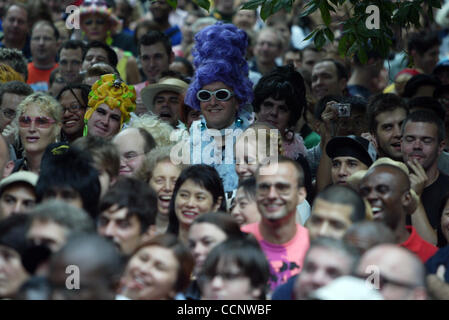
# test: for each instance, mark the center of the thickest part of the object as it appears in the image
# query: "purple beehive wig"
(219, 55)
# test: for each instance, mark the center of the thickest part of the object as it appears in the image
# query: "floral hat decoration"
(113, 92)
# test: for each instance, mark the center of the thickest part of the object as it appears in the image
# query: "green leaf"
(266, 10)
(363, 57)
(343, 45)
(312, 8)
(325, 14)
(172, 3)
(279, 4)
(319, 39)
(310, 35)
(205, 4)
(252, 4)
(329, 34)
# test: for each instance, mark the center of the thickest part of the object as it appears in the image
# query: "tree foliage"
(356, 38)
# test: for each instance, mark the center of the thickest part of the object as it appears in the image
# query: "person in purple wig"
(223, 92)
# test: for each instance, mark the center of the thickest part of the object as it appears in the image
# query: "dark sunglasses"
(220, 95)
(40, 121)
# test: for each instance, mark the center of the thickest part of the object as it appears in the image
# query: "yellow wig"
(113, 92)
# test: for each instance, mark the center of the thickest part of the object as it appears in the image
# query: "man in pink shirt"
(280, 188)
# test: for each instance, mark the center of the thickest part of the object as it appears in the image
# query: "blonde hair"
(8, 74)
(158, 129)
(46, 103)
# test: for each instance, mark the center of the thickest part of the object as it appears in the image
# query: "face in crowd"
(163, 180)
(193, 200)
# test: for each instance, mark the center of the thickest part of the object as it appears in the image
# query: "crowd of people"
(182, 154)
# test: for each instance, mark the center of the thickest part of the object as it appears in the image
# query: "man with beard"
(387, 189)
(422, 143)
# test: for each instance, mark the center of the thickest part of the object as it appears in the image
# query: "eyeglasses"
(9, 113)
(220, 94)
(40, 121)
(72, 109)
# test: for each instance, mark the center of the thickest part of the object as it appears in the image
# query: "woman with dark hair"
(158, 270)
(198, 190)
(206, 232)
(237, 270)
(73, 99)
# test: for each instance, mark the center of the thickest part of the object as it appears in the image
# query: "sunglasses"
(220, 95)
(39, 122)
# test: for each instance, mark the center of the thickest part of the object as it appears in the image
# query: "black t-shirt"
(432, 198)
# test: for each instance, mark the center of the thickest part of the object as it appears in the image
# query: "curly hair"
(115, 93)
(160, 130)
(219, 55)
(8, 74)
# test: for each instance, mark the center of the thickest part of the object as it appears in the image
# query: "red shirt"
(423, 249)
(37, 78)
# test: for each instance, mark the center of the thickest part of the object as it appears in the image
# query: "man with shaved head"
(387, 190)
(398, 274)
(334, 210)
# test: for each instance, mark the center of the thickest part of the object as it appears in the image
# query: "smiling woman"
(158, 270)
(73, 99)
(39, 119)
(198, 190)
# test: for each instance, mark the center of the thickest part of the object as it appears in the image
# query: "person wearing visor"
(348, 155)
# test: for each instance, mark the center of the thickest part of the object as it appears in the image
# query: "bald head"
(401, 177)
(399, 273)
(387, 190)
(133, 144)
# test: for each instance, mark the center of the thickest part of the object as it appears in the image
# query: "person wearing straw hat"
(163, 99)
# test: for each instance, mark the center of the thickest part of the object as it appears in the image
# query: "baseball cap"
(165, 84)
(21, 176)
(352, 146)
